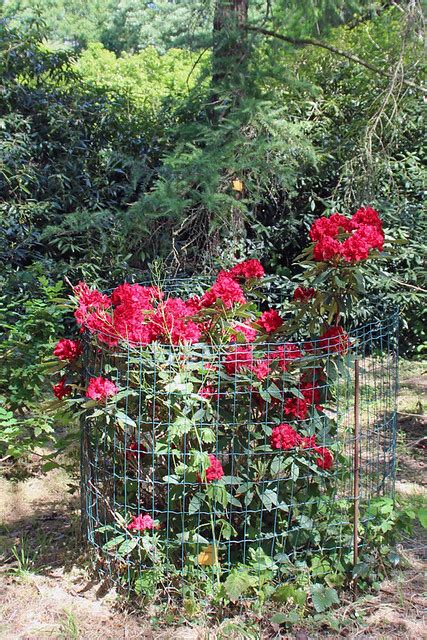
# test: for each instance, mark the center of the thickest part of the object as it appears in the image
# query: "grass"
(25, 561)
(69, 629)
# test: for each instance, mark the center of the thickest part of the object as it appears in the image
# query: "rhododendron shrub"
(217, 427)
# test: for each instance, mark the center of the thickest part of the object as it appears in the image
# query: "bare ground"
(50, 592)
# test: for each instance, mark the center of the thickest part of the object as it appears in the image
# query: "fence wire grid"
(272, 507)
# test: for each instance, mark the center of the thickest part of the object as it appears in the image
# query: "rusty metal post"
(356, 462)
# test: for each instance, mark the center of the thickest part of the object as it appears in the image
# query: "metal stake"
(356, 462)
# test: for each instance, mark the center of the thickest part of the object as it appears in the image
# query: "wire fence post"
(356, 461)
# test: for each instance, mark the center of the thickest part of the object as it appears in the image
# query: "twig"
(298, 42)
(411, 286)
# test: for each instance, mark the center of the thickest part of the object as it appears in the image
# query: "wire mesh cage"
(214, 457)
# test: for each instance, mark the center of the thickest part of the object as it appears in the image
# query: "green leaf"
(208, 435)
(127, 546)
(123, 419)
(296, 392)
(181, 425)
(361, 569)
(294, 472)
(114, 542)
(237, 583)
(269, 498)
(195, 502)
(278, 618)
(323, 597)
(422, 516)
(289, 592)
(232, 480)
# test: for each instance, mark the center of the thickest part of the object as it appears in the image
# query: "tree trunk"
(229, 39)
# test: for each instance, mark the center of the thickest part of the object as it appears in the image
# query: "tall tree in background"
(229, 46)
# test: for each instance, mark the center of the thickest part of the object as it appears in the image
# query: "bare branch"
(300, 42)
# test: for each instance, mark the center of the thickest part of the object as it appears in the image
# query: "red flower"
(261, 369)
(209, 392)
(355, 248)
(301, 294)
(286, 354)
(214, 471)
(194, 305)
(135, 451)
(239, 358)
(132, 325)
(90, 300)
(270, 320)
(296, 407)
(68, 349)
(135, 294)
(284, 437)
(326, 249)
(308, 442)
(100, 388)
(247, 269)
(171, 322)
(325, 458)
(364, 231)
(61, 390)
(367, 216)
(102, 324)
(141, 523)
(248, 332)
(225, 289)
(329, 227)
(334, 339)
(372, 235)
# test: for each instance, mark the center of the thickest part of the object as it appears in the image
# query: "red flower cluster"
(209, 392)
(240, 357)
(334, 339)
(352, 238)
(249, 269)
(214, 471)
(248, 332)
(284, 437)
(68, 349)
(141, 315)
(100, 388)
(141, 523)
(325, 459)
(286, 354)
(260, 369)
(62, 390)
(302, 294)
(225, 289)
(270, 321)
(297, 408)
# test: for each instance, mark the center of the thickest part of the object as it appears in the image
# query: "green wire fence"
(271, 508)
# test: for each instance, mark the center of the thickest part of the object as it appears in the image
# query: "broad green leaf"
(195, 503)
(127, 546)
(114, 542)
(323, 597)
(237, 583)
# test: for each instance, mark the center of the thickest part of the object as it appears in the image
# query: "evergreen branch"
(298, 42)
